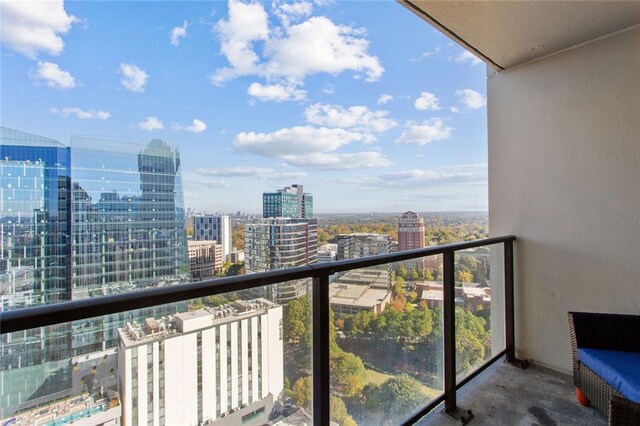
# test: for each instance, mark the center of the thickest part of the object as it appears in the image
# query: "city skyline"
(352, 129)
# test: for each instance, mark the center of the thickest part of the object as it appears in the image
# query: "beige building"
(356, 291)
(205, 259)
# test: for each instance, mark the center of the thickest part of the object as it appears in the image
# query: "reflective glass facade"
(127, 216)
(34, 220)
(100, 217)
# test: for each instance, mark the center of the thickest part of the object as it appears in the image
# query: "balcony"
(104, 381)
(564, 102)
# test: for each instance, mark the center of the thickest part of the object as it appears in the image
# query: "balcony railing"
(47, 315)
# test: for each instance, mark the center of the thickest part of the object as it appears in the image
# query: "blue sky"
(363, 103)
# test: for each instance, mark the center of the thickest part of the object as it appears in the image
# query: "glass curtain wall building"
(103, 216)
(128, 226)
(34, 220)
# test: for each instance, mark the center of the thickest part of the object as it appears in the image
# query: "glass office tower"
(104, 216)
(128, 226)
(34, 220)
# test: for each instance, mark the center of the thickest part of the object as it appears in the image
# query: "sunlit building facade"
(279, 243)
(218, 366)
(290, 202)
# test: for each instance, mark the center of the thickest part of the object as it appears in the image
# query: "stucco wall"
(564, 177)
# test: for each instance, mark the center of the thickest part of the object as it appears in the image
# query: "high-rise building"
(198, 367)
(128, 216)
(35, 265)
(205, 259)
(411, 235)
(35, 223)
(213, 227)
(102, 217)
(288, 202)
(279, 243)
(356, 245)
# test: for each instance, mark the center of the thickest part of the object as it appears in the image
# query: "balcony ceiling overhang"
(506, 34)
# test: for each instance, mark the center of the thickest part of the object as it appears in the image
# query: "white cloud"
(276, 92)
(427, 54)
(356, 118)
(179, 32)
(133, 78)
(197, 126)
(329, 89)
(53, 76)
(288, 12)
(320, 46)
(427, 102)
(422, 133)
(454, 109)
(308, 146)
(467, 56)
(471, 99)
(384, 99)
(248, 22)
(333, 161)
(150, 124)
(290, 53)
(33, 27)
(81, 114)
(450, 175)
(257, 172)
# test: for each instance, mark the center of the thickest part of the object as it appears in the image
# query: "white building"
(214, 227)
(221, 366)
(327, 252)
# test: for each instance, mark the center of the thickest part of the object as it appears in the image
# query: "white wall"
(564, 177)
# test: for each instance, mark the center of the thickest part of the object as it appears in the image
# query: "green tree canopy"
(301, 392)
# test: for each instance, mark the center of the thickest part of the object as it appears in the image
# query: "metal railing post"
(508, 302)
(449, 323)
(320, 350)
(509, 314)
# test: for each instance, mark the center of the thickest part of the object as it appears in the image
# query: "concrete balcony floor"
(506, 395)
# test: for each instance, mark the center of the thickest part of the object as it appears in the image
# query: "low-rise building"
(351, 298)
(327, 252)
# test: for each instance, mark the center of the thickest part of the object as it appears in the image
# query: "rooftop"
(134, 334)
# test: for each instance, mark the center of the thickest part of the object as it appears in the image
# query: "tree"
(472, 339)
(339, 412)
(348, 373)
(302, 393)
(427, 275)
(464, 276)
(396, 397)
(216, 300)
(236, 269)
(414, 276)
(402, 271)
(297, 319)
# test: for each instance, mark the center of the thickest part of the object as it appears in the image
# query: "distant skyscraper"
(356, 245)
(279, 243)
(213, 227)
(288, 202)
(411, 235)
(196, 367)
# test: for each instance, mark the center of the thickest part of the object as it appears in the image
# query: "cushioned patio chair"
(606, 360)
